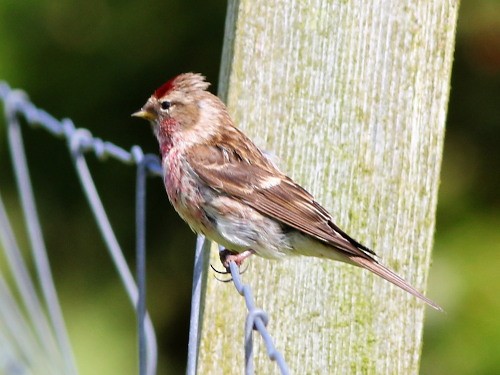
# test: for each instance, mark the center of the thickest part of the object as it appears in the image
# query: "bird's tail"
(392, 277)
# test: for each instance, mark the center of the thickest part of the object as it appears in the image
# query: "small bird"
(227, 189)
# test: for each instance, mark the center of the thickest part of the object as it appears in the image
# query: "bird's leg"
(227, 256)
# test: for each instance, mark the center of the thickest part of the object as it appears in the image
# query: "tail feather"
(392, 277)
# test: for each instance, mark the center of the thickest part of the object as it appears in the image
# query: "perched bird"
(227, 189)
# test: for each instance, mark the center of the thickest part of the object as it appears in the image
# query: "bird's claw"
(226, 272)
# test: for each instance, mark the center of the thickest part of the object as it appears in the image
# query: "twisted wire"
(81, 141)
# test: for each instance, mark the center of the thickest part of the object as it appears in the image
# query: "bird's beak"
(145, 114)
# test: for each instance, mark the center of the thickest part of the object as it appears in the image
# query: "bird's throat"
(165, 134)
(165, 147)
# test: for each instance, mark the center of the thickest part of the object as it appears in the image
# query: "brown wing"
(249, 176)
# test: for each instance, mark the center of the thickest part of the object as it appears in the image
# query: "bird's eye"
(165, 105)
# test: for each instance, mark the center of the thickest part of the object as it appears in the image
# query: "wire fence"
(47, 346)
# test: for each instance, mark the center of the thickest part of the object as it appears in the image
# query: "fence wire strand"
(79, 141)
(51, 337)
(35, 236)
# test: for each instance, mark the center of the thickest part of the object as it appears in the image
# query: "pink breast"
(183, 191)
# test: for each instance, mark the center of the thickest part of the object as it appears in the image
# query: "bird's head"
(181, 110)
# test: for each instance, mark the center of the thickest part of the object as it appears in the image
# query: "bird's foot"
(227, 256)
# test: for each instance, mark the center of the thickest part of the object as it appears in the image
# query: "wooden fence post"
(352, 97)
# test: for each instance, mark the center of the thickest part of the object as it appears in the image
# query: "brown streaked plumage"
(224, 187)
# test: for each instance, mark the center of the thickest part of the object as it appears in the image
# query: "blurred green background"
(97, 61)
